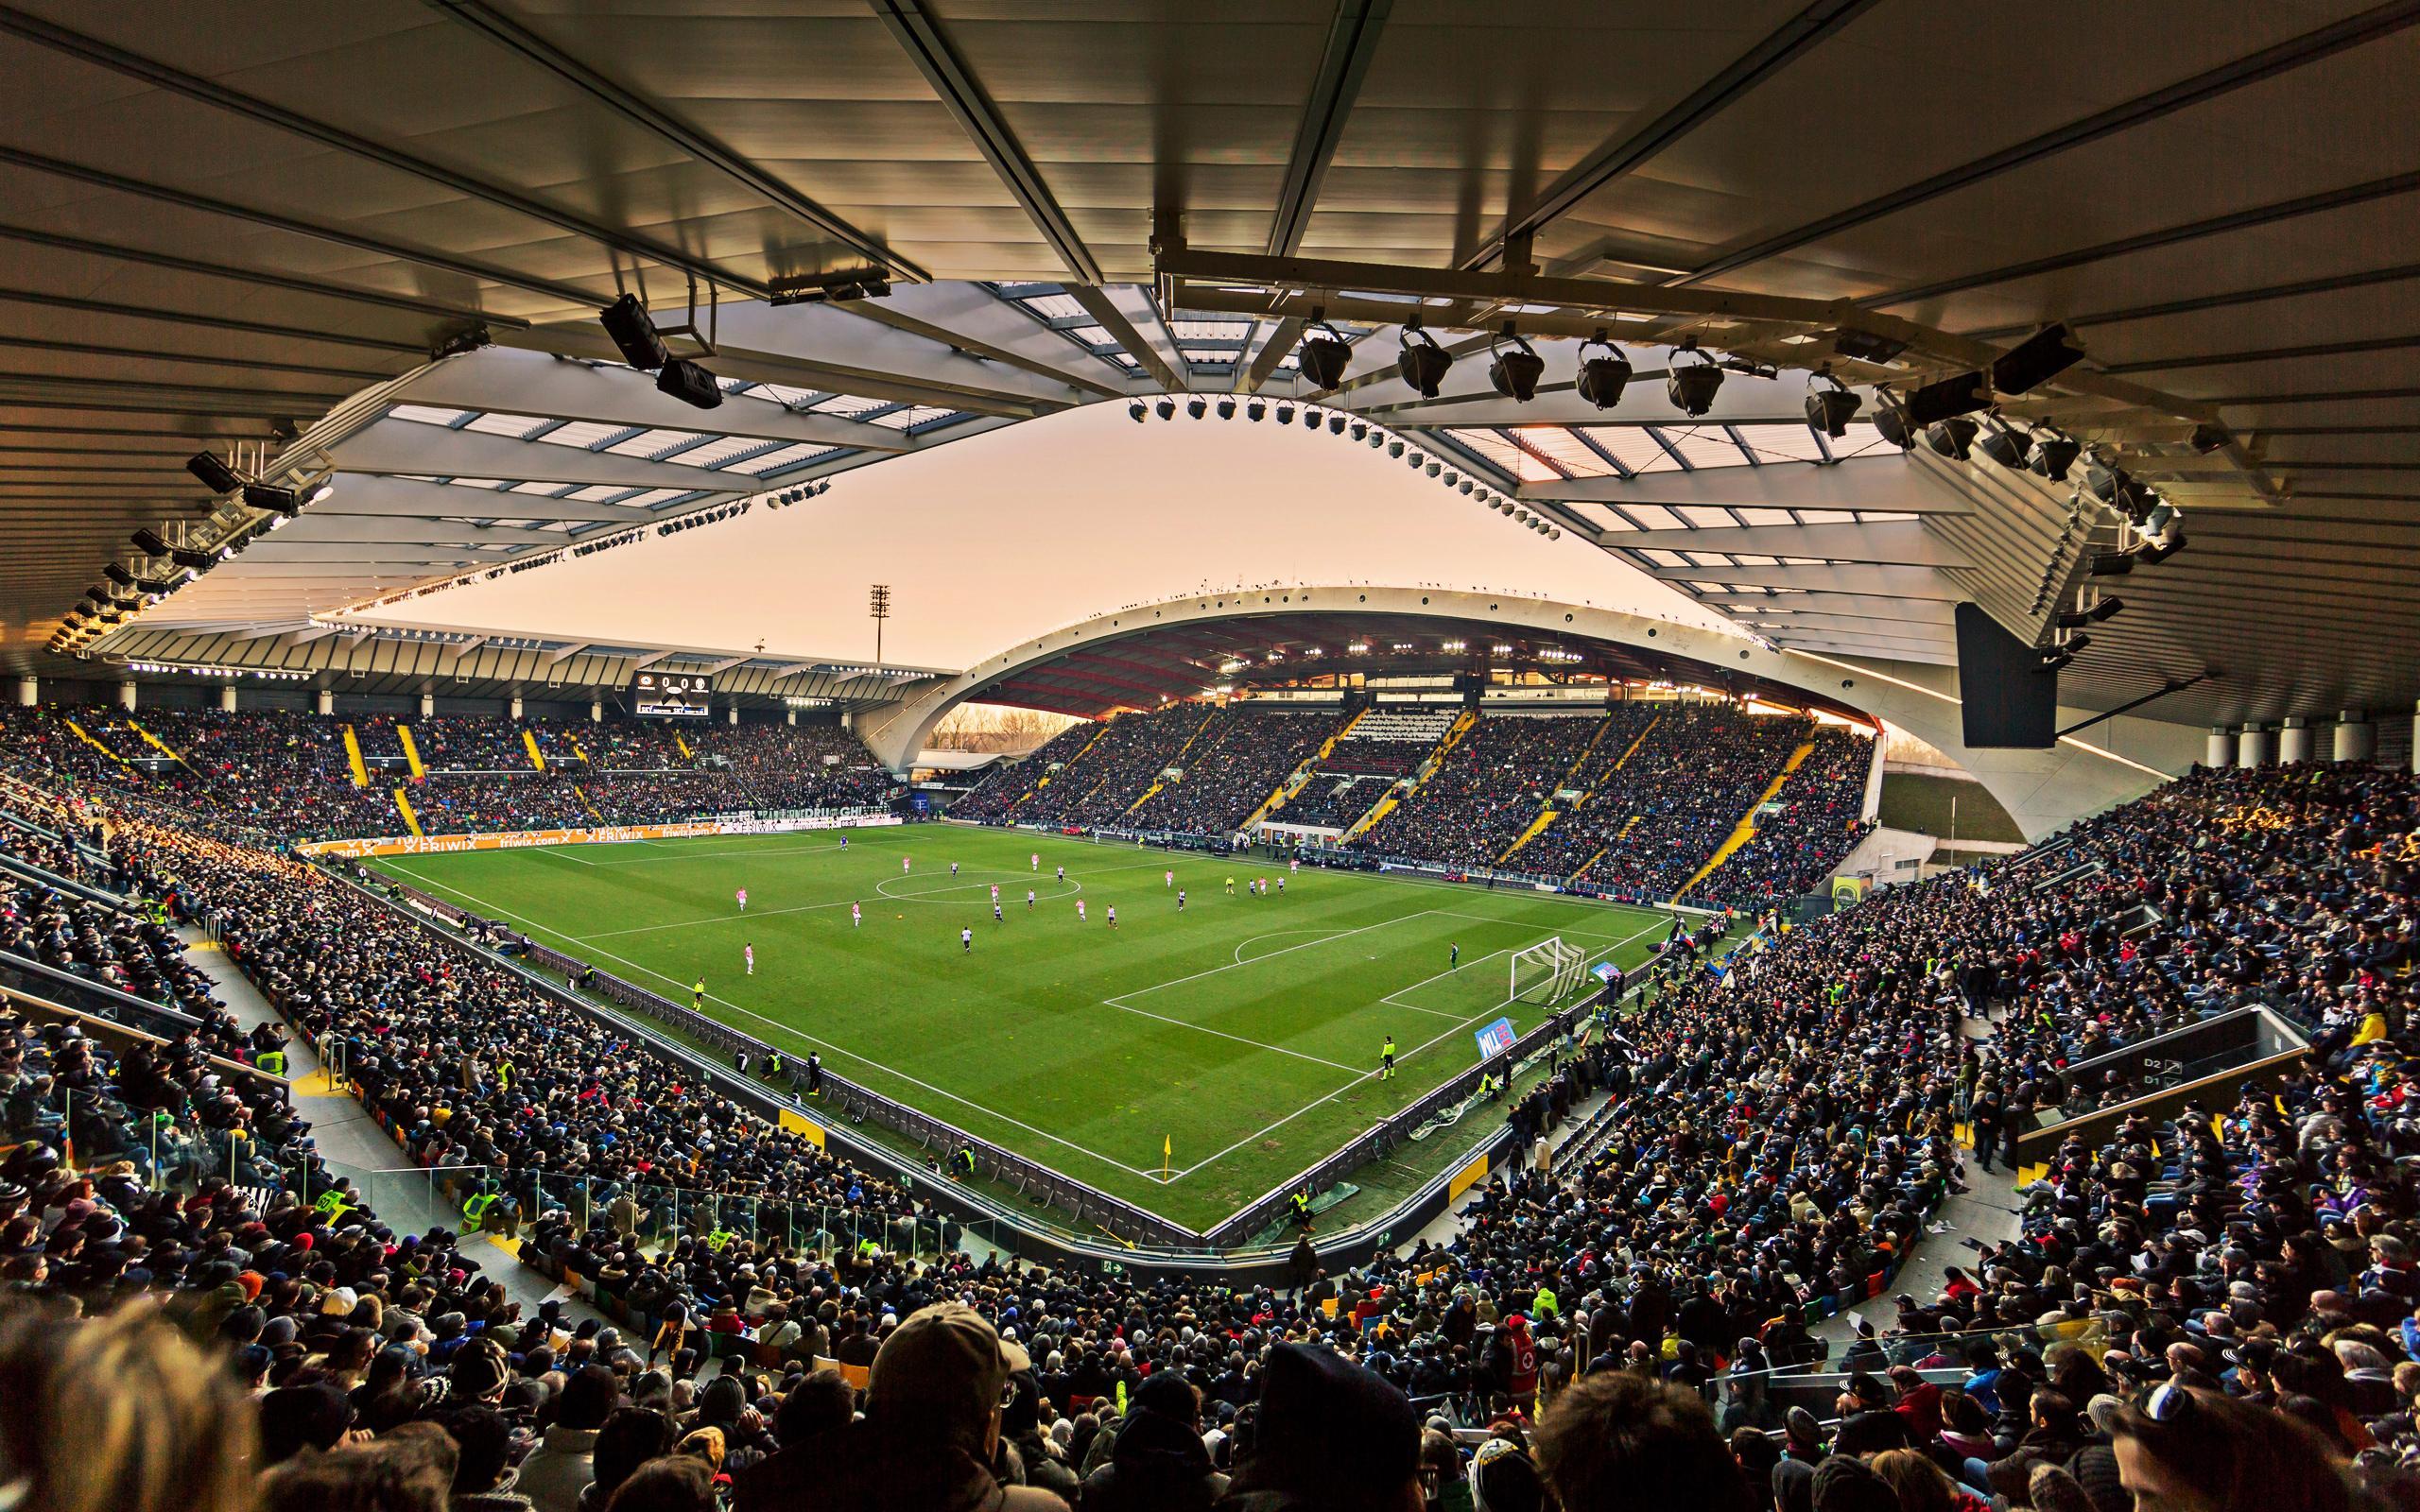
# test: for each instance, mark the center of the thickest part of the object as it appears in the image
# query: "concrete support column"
(2415, 737)
(126, 695)
(596, 711)
(2357, 739)
(327, 700)
(517, 706)
(848, 720)
(2252, 747)
(792, 717)
(427, 705)
(227, 698)
(732, 713)
(29, 692)
(2293, 742)
(2220, 751)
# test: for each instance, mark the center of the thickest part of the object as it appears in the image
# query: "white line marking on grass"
(1583, 934)
(561, 854)
(795, 1033)
(1276, 933)
(1358, 1078)
(1180, 981)
(1203, 1028)
(1390, 1000)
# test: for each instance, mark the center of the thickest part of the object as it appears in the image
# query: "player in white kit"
(749, 951)
(1028, 900)
(995, 910)
(743, 899)
(1063, 874)
(1179, 900)
(966, 941)
(952, 869)
(1113, 916)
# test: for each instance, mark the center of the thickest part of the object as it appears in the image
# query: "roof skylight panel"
(427, 415)
(1791, 442)
(790, 455)
(1704, 446)
(1570, 451)
(654, 443)
(900, 419)
(516, 426)
(582, 434)
(1635, 449)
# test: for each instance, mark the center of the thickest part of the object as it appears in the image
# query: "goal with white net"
(1548, 972)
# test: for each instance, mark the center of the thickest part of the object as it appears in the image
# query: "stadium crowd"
(1110, 775)
(288, 774)
(1818, 822)
(1486, 790)
(1234, 765)
(2218, 1309)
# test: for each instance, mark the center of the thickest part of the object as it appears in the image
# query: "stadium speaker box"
(2007, 702)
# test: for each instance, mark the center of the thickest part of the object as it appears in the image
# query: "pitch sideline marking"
(795, 1033)
(1358, 1078)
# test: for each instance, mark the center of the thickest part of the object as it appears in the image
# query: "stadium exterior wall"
(2042, 790)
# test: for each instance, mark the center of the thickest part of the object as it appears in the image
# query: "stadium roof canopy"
(367, 244)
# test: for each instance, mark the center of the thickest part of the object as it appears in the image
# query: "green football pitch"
(1186, 1061)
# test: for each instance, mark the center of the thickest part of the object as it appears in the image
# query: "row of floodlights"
(1339, 423)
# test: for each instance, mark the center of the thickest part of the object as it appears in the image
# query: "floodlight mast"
(879, 609)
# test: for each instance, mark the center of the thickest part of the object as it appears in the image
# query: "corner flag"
(1167, 1152)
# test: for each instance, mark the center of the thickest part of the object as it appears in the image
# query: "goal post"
(1548, 972)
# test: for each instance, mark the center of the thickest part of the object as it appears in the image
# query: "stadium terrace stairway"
(1547, 812)
(1745, 829)
(1427, 769)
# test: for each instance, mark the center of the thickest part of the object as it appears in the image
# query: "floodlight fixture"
(1360, 429)
(1165, 408)
(2153, 554)
(1135, 411)
(1514, 371)
(215, 475)
(150, 543)
(2036, 360)
(634, 334)
(117, 573)
(1890, 420)
(1953, 437)
(1285, 414)
(1691, 386)
(2207, 438)
(1323, 354)
(2053, 660)
(1602, 379)
(1227, 409)
(2111, 564)
(1864, 346)
(1422, 363)
(272, 499)
(1197, 406)
(687, 381)
(1256, 410)
(1829, 408)
(1959, 394)
(2003, 446)
(2053, 455)
(2107, 609)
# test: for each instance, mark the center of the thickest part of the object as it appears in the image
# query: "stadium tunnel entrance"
(1261, 640)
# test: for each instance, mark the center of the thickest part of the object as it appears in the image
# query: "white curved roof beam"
(1890, 489)
(1900, 542)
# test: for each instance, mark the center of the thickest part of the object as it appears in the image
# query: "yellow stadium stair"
(588, 803)
(1547, 810)
(411, 752)
(537, 757)
(1293, 780)
(1585, 865)
(1177, 760)
(352, 758)
(404, 806)
(157, 743)
(86, 737)
(1745, 829)
(1100, 727)
(1427, 769)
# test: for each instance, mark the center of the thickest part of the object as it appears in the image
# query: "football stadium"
(1357, 755)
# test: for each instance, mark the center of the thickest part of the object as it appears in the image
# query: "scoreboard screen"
(671, 695)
